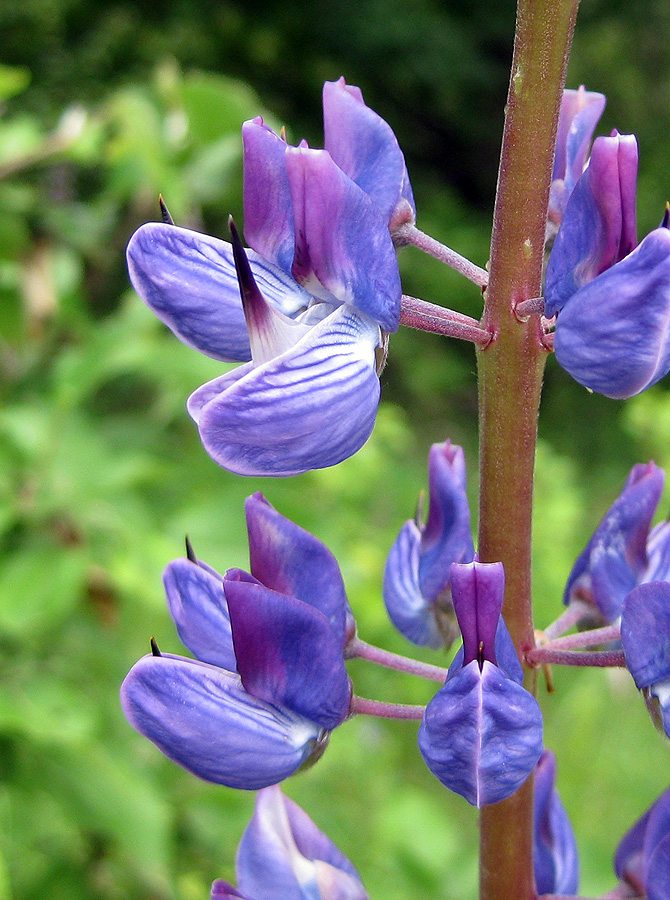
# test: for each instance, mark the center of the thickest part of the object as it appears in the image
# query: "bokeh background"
(103, 106)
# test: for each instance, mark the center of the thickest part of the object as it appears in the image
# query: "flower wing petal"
(481, 735)
(645, 633)
(613, 336)
(311, 407)
(198, 606)
(202, 718)
(407, 608)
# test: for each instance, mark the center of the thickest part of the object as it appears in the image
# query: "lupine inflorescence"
(308, 311)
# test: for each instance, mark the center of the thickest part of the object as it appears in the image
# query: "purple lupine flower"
(269, 682)
(481, 734)
(642, 859)
(580, 111)
(555, 859)
(622, 552)
(284, 856)
(611, 296)
(417, 591)
(318, 289)
(645, 638)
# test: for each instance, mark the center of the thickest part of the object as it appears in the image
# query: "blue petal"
(658, 871)
(598, 228)
(342, 241)
(447, 537)
(614, 336)
(555, 858)
(658, 553)
(283, 854)
(198, 606)
(287, 653)
(615, 558)
(189, 281)
(288, 559)
(478, 590)
(645, 633)
(311, 407)
(364, 146)
(268, 213)
(202, 718)
(481, 735)
(407, 608)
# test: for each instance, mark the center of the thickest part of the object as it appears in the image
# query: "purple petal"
(364, 146)
(507, 657)
(481, 735)
(629, 856)
(223, 890)
(198, 606)
(478, 590)
(287, 653)
(408, 609)
(189, 281)
(342, 241)
(580, 111)
(268, 213)
(447, 537)
(202, 718)
(279, 851)
(615, 558)
(555, 858)
(598, 228)
(288, 559)
(658, 871)
(311, 407)
(645, 633)
(614, 335)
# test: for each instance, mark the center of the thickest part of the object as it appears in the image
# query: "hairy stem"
(361, 705)
(358, 648)
(510, 375)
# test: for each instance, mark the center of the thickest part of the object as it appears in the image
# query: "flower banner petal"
(288, 559)
(342, 240)
(287, 653)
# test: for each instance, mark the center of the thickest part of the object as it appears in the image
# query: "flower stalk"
(510, 375)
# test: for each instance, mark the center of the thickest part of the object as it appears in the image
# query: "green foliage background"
(101, 473)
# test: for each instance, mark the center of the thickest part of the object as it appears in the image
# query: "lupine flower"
(269, 681)
(481, 734)
(611, 297)
(645, 637)
(318, 289)
(642, 859)
(622, 551)
(555, 859)
(580, 111)
(284, 856)
(417, 591)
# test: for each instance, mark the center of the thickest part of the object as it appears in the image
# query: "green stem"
(510, 377)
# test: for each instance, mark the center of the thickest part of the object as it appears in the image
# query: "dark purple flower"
(417, 591)
(318, 288)
(622, 553)
(555, 859)
(642, 859)
(580, 111)
(284, 856)
(269, 682)
(481, 734)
